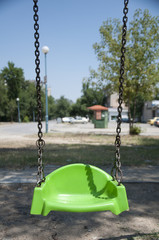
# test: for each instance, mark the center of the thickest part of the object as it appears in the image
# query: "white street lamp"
(17, 99)
(45, 49)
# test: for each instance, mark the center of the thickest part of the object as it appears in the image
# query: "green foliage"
(63, 107)
(134, 130)
(26, 119)
(156, 94)
(12, 110)
(136, 107)
(91, 95)
(14, 79)
(28, 100)
(3, 99)
(142, 52)
(13, 85)
(79, 108)
(51, 107)
(11, 82)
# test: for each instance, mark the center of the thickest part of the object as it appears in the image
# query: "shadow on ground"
(16, 223)
(152, 236)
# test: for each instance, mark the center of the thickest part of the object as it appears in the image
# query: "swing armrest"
(37, 202)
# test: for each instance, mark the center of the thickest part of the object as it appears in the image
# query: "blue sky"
(69, 28)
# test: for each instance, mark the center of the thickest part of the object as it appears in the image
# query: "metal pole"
(18, 112)
(46, 97)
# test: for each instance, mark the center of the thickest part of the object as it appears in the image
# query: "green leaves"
(11, 82)
(14, 78)
(63, 107)
(142, 53)
(13, 86)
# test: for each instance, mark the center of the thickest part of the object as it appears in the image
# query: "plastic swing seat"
(79, 188)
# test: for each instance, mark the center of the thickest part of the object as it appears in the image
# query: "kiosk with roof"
(100, 118)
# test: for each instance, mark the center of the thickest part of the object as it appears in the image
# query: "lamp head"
(45, 49)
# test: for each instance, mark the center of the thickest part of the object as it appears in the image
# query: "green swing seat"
(79, 188)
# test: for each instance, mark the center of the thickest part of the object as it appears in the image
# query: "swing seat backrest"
(79, 188)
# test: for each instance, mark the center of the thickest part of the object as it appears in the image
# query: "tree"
(156, 95)
(92, 93)
(51, 107)
(13, 85)
(12, 112)
(14, 79)
(3, 99)
(63, 107)
(142, 52)
(28, 101)
(79, 108)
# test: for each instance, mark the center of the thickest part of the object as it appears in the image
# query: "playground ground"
(140, 222)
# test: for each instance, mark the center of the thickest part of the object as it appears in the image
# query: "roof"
(98, 108)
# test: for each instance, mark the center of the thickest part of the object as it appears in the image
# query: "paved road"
(24, 129)
(17, 129)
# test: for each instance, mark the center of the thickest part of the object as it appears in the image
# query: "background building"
(112, 104)
(150, 110)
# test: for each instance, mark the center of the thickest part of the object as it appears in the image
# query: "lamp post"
(45, 50)
(17, 99)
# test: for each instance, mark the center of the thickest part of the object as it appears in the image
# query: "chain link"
(40, 143)
(116, 171)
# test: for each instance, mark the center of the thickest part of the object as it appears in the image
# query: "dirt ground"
(16, 223)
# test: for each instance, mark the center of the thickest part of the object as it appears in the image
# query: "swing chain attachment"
(116, 171)
(40, 143)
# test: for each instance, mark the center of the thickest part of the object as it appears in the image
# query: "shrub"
(135, 130)
(26, 119)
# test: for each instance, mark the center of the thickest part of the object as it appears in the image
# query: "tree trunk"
(134, 111)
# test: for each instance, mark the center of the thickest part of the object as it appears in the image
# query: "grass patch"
(17, 158)
(105, 139)
(94, 149)
(151, 236)
(60, 154)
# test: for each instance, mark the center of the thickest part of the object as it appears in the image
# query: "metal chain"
(40, 142)
(116, 171)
